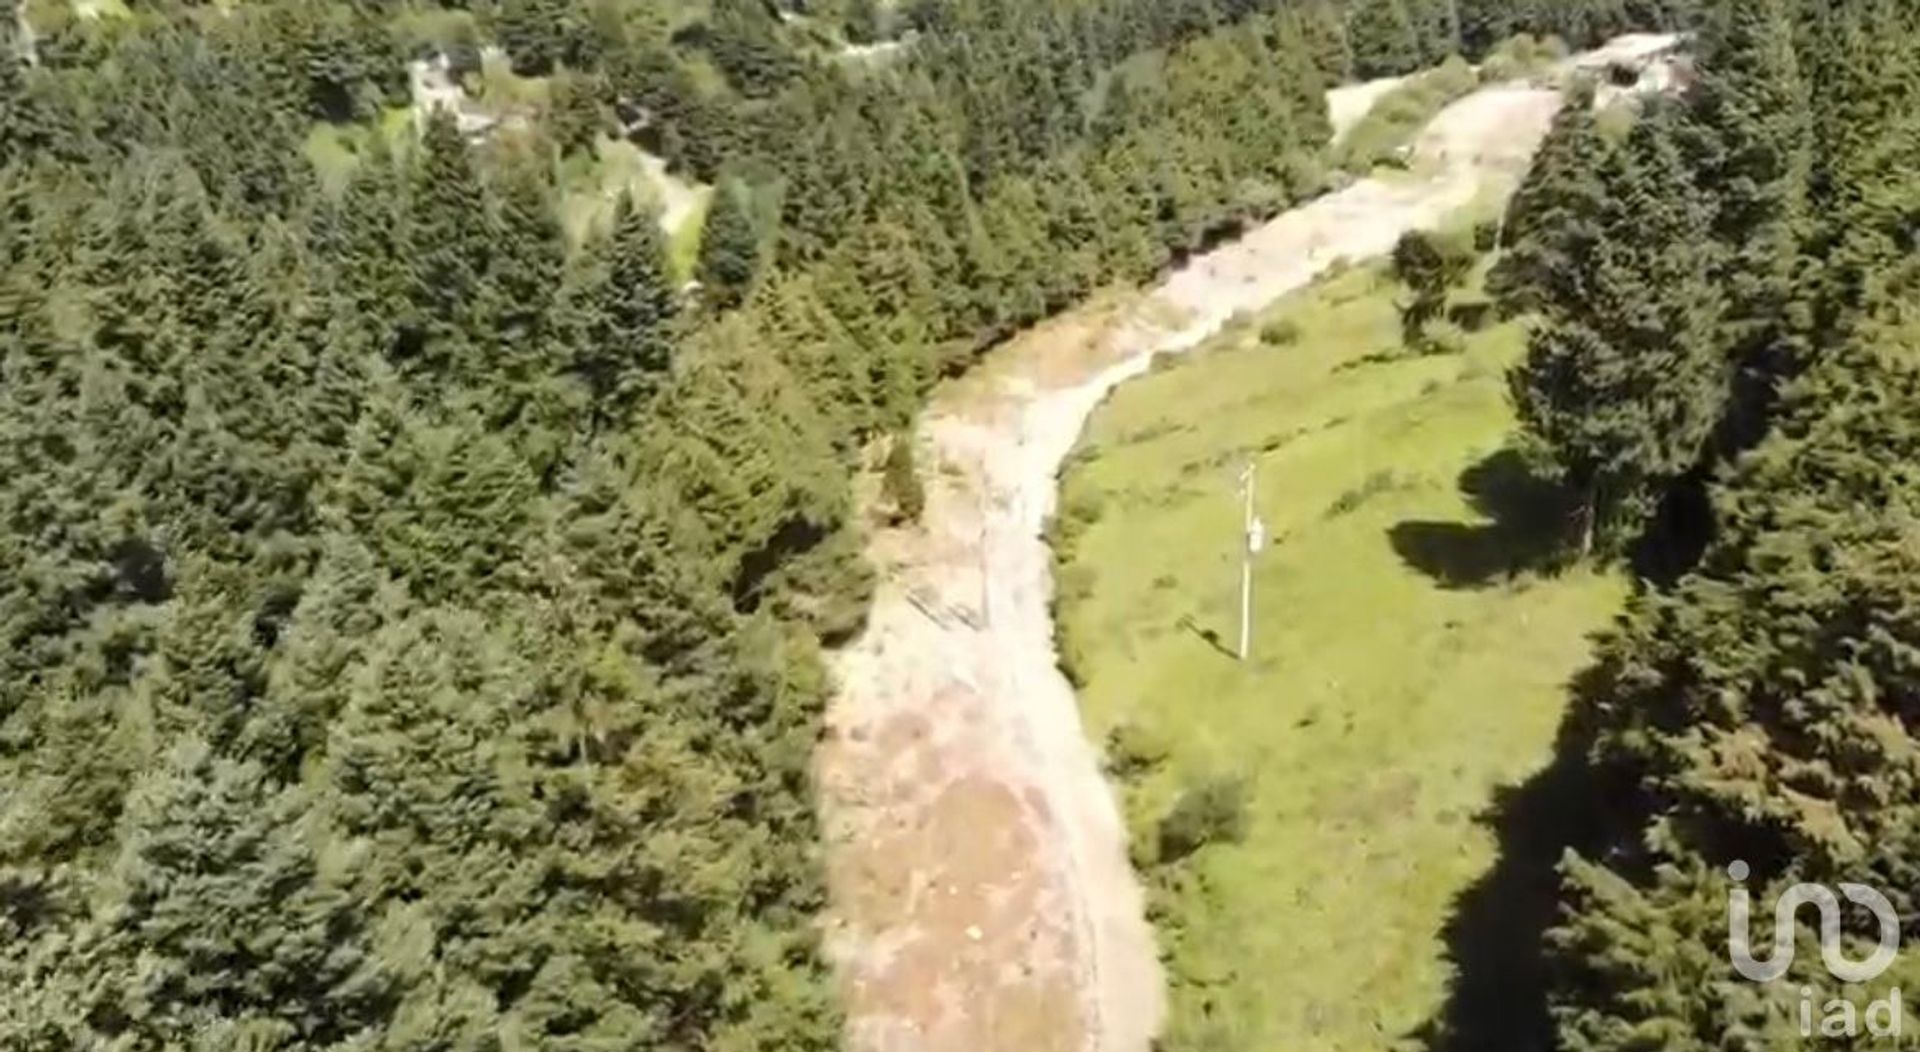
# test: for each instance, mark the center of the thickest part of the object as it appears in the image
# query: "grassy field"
(1405, 666)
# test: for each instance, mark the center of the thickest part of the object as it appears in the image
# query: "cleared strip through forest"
(983, 899)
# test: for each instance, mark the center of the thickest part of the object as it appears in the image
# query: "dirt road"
(982, 896)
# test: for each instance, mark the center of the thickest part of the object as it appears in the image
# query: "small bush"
(1213, 810)
(1377, 483)
(1472, 315)
(1087, 505)
(900, 482)
(1452, 79)
(1071, 660)
(1430, 263)
(1078, 510)
(1442, 337)
(1075, 582)
(1486, 235)
(1280, 332)
(1521, 55)
(1072, 584)
(1132, 750)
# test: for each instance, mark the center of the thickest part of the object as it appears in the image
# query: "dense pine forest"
(413, 610)
(1725, 377)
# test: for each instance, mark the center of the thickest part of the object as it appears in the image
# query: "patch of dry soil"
(982, 896)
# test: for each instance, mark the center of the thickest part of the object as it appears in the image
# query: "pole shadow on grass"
(1206, 635)
(1495, 934)
(1526, 528)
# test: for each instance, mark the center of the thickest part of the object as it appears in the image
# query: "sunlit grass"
(1398, 677)
(592, 185)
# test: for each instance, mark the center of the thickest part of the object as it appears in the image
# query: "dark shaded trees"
(1582, 23)
(1429, 265)
(620, 315)
(1552, 223)
(731, 245)
(574, 110)
(742, 36)
(1625, 381)
(1785, 650)
(1757, 709)
(540, 35)
(449, 247)
(1755, 117)
(1382, 36)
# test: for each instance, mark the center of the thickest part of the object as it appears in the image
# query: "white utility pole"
(1253, 539)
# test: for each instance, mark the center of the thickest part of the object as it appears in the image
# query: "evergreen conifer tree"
(1757, 131)
(527, 267)
(730, 245)
(862, 24)
(622, 315)
(535, 33)
(1383, 38)
(1552, 224)
(1625, 382)
(450, 242)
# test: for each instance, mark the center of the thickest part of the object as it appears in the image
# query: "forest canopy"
(1722, 371)
(412, 607)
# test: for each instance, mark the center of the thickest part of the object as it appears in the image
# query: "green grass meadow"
(1406, 665)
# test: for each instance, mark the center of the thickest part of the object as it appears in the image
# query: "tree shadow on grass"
(1495, 935)
(1526, 528)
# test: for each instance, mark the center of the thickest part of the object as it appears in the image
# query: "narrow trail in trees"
(982, 896)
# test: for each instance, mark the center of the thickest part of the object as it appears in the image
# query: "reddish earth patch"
(960, 945)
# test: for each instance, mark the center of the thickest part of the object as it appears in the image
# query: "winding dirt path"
(982, 896)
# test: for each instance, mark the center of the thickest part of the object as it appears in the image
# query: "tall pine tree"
(621, 315)
(1552, 223)
(1625, 381)
(1754, 111)
(730, 245)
